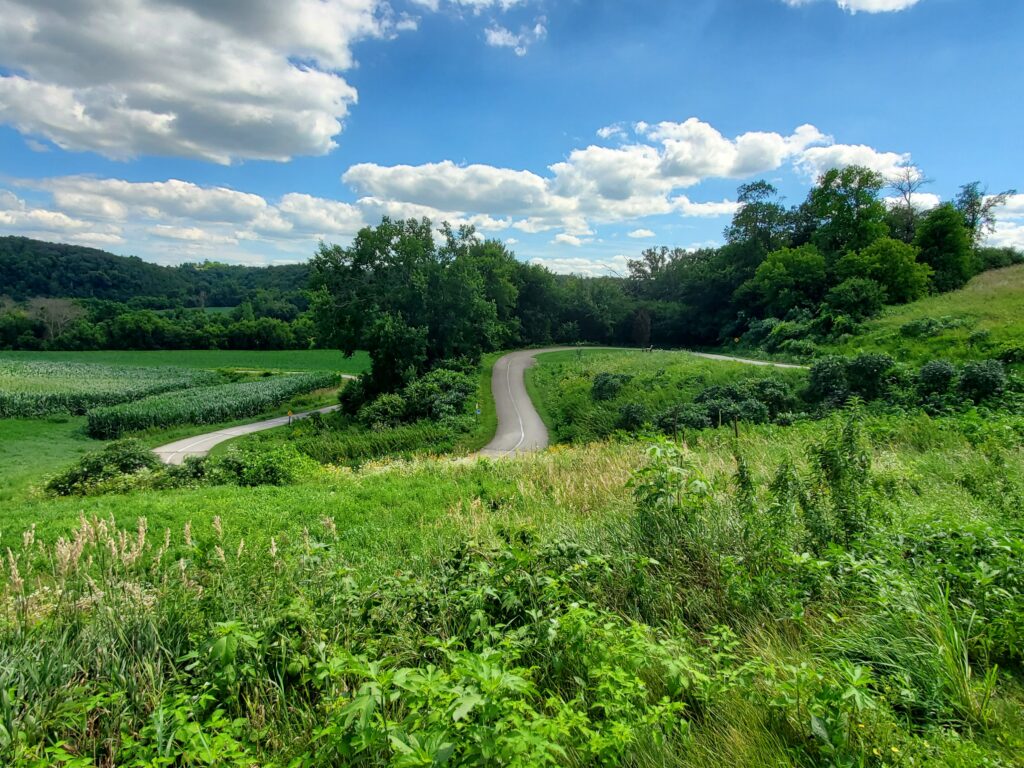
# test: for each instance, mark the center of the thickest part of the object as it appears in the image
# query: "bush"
(982, 379)
(438, 394)
(857, 297)
(352, 396)
(935, 378)
(683, 416)
(930, 326)
(776, 394)
(383, 413)
(99, 469)
(633, 416)
(827, 381)
(607, 385)
(279, 466)
(866, 374)
(1010, 354)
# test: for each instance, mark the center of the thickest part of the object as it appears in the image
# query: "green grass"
(560, 386)
(30, 449)
(275, 360)
(755, 645)
(992, 304)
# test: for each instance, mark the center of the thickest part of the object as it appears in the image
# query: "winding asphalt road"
(520, 427)
(200, 445)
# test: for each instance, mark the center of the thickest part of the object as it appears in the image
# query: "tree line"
(793, 275)
(31, 269)
(786, 279)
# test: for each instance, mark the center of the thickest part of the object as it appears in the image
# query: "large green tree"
(412, 300)
(789, 278)
(845, 212)
(945, 244)
(893, 265)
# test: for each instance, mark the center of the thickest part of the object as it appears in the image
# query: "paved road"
(732, 359)
(520, 428)
(200, 445)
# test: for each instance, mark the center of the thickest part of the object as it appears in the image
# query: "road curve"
(200, 445)
(520, 427)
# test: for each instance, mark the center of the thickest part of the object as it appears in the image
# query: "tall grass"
(701, 605)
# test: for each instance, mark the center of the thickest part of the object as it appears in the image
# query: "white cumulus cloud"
(192, 78)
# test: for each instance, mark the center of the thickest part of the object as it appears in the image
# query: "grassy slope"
(277, 360)
(993, 301)
(560, 385)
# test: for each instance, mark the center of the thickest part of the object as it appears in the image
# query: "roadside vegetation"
(838, 592)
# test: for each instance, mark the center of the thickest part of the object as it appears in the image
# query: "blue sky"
(578, 132)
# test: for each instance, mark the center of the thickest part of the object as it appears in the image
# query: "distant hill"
(985, 318)
(33, 268)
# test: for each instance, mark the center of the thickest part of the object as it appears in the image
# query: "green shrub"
(280, 465)
(982, 379)
(95, 471)
(383, 413)
(607, 385)
(633, 416)
(352, 396)
(683, 416)
(930, 326)
(857, 297)
(438, 394)
(866, 374)
(1011, 354)
(936, 378)
(827, 381)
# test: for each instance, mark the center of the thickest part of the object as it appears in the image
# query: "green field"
(980, 320)
(562, 382)
(274, 360)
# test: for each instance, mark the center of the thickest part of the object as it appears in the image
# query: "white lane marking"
(515, 405)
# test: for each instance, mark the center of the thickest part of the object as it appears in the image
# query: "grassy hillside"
(978, 321)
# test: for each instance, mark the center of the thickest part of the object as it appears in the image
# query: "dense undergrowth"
(846, 592)
(589, 396)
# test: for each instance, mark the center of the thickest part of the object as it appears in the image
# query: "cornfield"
(203, 405)
(39, 388)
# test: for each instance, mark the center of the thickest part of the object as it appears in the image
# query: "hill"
(982, 319)
(34, 268)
